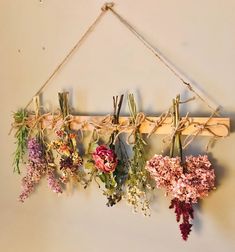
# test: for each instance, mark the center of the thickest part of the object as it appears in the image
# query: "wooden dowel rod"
(218, 126)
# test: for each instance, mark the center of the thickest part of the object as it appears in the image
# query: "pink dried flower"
(165, 171)
(188, 183)
(105, 159)
(196, 182)
(53, 183)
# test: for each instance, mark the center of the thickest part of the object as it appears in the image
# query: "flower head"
(184, 212)
(165, 171)
(197, 181)
(188, 182)
(105, 159)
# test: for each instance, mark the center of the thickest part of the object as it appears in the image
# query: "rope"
(71, 52)
(162, 59)
(158, 123)
(156, 52)
(200, 127)
(139, 119)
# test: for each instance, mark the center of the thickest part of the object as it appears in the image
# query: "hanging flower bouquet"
(138, 184)
(66, 146)
(185, 181)
(110, 162)
(39, 165)
(40, 161)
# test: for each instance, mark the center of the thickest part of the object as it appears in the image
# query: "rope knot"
(107, 6)
(189, 86)
(200, 127)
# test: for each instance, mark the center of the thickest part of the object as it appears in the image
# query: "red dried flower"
(184, 210)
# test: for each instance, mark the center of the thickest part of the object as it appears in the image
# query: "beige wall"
(198, 36)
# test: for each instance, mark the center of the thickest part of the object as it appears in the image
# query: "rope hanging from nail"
(156, 52)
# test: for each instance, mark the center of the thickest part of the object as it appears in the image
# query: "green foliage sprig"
(139, 181)
(21, 136)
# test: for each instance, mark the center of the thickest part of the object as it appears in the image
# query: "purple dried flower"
(35, 150)
(36, 168)
(53, 182)
(66, 163)
(70, 163)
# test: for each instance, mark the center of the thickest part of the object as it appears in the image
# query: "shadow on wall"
(220, 204)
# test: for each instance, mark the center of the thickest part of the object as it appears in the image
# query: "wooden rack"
(202, 126)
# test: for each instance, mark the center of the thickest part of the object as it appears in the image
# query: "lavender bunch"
(39, 164)
(36, 168)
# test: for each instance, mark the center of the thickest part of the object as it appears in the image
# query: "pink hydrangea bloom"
(197, 181)
(105, 159)
(165, 171)
(188, 183)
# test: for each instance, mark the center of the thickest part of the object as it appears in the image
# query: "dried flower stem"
(176, 140)
(138, 182)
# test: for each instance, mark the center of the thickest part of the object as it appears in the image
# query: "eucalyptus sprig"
(21, 136)
(139, 181)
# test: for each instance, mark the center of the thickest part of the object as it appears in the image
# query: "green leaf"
(89, 165)
(92, 147)
(102, 177)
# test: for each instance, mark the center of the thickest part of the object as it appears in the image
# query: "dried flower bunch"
(186, 181)
(21, 135)
(38, 165)
(66, 146)
(120, 174)
(105, 159)
(70, 163)
(139, 182)
(110, 162)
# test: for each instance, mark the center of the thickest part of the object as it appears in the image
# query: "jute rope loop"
(106, 125)
(134, 127)
(199, 128)
(179, 128)
(109, 7)
(158, 123)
